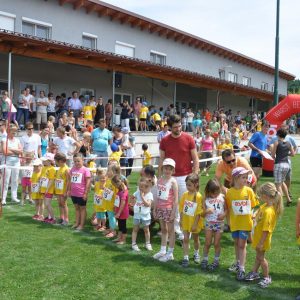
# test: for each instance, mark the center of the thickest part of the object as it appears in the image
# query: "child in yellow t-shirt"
(89, 112)
(146, 155)
(221, 146)
(228, 144)
(240, 200)
(47, 185)
(258, 125)
(116, 153)
(143, 116)
(62, 180)
(99, 203)
(190, 209)
(266, 219)
(35, 190)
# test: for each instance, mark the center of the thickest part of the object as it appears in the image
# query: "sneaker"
(197, 258)
(46, 219)
(214, 265)
(252, 276)
(204, 264)
(40, 218)
(148, 247)
(3, 202)
(159, 255)
(136, 248)
(265, 282)
(15, 200)
(35, 217)
(64, 223)
(59, 221)
(234, 267)
(180, 236)
(167, 257)
(51, 221)
(184, 263)
(241, 275)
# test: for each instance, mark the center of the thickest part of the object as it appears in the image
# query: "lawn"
(40, 261)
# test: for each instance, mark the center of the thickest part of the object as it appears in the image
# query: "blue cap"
(114, 147)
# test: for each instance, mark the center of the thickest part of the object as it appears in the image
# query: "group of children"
(158, 200)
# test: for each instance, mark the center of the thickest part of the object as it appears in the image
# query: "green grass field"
(40, 261)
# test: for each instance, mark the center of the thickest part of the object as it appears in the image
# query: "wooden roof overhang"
(29, 46)
(123, 16)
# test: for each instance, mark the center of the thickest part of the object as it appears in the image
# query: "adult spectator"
(207, 148)
(12, 150)
(258, 143)
(99, 110)
(280, 152)
(24, 103)
(3, 135)
(125, 114)
(136, 110)
(51, 109)
(197, 125)
(181, 147)
(85, 144)
(8, 109)
(165, 131)
(62, 104)
(207, 115)
(31, 142)
(75, 105)
(215, 127)
(89, 111)
(108, 112)
(41, 109)
(228, 163)
(101, 139)
(65, 144)
(190, 117)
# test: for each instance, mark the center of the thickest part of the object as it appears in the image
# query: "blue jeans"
(111, 220)
(103, 161)
(22, 112)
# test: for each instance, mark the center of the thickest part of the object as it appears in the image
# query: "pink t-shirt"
(207, 144)
(122, 196)
(165, 194)
(78, 181)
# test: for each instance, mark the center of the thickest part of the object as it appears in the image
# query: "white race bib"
(97, 200)
(140, 208)
(76, 177)
(59, 184)
(27, 173)
(218, 208)
(189, 208)
(163, 192)
(241, 207)
(88, 113)
(35, 187)
(108, 194)
(117, 201)
(44, 182)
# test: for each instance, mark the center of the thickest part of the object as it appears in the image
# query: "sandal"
(120, 243)
(110, 235)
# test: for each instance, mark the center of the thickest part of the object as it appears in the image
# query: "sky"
(245, 26)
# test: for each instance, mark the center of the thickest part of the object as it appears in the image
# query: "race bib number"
(76, 178)
(250, 178)
(28, 173)
(241, 207)
(162, 192)
(108, 194)
(35, 187)
(117, 201)
(189, 208)
(97, 200)
(59, 184)
(139, 208)
(217, 207)
(44, 182)
(88, 113)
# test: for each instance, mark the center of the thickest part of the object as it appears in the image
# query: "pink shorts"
(25, 181)
(49, 196)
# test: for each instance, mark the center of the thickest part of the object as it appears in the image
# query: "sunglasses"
(31, 128)
(230, 161)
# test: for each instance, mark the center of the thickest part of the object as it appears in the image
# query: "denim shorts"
(101, 215)
(240, 234)
(141, 222)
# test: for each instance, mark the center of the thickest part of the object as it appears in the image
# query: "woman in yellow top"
(35, 190)
(99, 203)
(240, 200)
(190, 209)
(266, 219)
(89, 111)
(62, 180)
(47, 185)
(143, 116)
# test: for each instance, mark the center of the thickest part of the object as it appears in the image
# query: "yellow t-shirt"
(143, 112)
(228, 146)
(156, 117)
(240, 203)
(190, 208)
(88, 112)
(265, 221)
(109, 195)
(146, 158)
(258, 127)
(61, 180)
(48, 173)
(222, 147)
(99, 203)
(116, 156)
(35, 186)
(92, 165)
(162, 124)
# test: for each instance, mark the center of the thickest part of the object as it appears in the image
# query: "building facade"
(100, 49)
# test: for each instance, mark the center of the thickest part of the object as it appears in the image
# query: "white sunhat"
(169, 162)
(37, 162)
(239, 171)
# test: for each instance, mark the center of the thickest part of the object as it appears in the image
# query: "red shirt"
(179, 149)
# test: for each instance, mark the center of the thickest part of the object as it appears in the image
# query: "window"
(89, 40)
(246, 81)
(36, 28)
(120, 97)
(232, 77)
(221, 74)
(264, 86)
(157, 57)
(124, 49)
(7, 21)
(37, 87)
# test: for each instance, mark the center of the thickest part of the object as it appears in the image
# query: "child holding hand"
(35, 190)
(99, 204)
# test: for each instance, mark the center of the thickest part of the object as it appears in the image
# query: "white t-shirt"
(141, 211)
(11, 144)
(27, 99)
(8, 103)
(190, 117)
(31, 143)
(64, 145)
(217, 204)
(43, 108)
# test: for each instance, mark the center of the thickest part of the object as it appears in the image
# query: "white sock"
(186, 257)
(163, 249)
(196, 251)
(170, 250)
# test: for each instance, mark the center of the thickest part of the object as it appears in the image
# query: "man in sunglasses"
(228, 163)
(31, 142)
